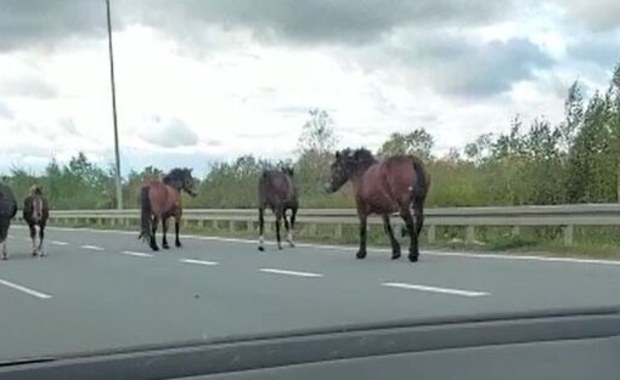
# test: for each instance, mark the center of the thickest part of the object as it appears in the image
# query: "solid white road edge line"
(383, 250)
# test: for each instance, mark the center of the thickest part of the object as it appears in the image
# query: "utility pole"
(119, 189)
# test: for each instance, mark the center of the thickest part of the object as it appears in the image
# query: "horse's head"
(181, 179)
(347, 164)
(188, 183)
(36, 190)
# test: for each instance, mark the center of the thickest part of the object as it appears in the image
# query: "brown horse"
(36, 213)
(161, 200)
(277, 190)
(396, 184)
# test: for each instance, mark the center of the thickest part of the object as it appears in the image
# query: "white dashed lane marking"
(434, 289)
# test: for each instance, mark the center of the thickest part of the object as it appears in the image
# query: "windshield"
(194, 170)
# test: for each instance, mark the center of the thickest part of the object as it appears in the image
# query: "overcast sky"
(199, 81)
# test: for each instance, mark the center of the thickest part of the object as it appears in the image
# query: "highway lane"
(108, 290)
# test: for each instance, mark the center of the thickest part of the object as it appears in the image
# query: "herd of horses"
(396, 184)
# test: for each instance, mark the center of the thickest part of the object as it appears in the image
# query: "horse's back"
(277, 189)
(386, 186)
(164, 199)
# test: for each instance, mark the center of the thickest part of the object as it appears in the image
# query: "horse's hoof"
(5, 258)
(261, 248)
(360, 254)
(413, 257)
(165, 246)
(34, 254)
(395, 255)
(178, 244)
(154, 247)
(279, 247)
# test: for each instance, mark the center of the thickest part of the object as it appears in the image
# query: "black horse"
(277, 190)
(36, 213)
(8, 210)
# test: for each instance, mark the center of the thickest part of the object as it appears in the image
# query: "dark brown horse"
(35, 213)
(396, 184)
(8, 210)
(277, 190)
(160, 200)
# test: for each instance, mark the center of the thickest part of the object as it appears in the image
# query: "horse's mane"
(176, 174)
(358, 157)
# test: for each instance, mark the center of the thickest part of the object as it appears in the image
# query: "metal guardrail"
(566, 216)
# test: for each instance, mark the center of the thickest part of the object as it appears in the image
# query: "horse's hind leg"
(279, 213)
(153, 242)
(33, 237)
(5, 254)
(164, 239)
(405, 213)
(418, 212)
(261, 227)
(387, 226)
(41, 236)
(361, 253)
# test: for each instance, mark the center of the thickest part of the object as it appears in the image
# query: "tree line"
(575, 161)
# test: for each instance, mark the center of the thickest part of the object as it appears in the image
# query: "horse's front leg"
(164, 227)
(387, 226)
(292, 230)
(177, 227)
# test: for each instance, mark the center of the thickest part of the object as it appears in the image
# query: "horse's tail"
(422, 182)
(145, 214)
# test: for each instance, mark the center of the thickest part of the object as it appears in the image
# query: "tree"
(419, 143)
(317, 135)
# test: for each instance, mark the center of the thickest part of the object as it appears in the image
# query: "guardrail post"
(470, 234)
(312, 229)
(231, 226)
(516, 230)
(568, 234)
(432, 233)
(338, 231)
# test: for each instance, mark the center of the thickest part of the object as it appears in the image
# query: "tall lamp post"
(117, 176)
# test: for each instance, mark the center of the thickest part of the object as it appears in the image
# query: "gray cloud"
(28, 86)
(43, 23)
(602, 49)
(458, 66)
(595, 14)
(348, 21)
(171, 133)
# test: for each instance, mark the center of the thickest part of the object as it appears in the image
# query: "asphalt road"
(100, 290)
